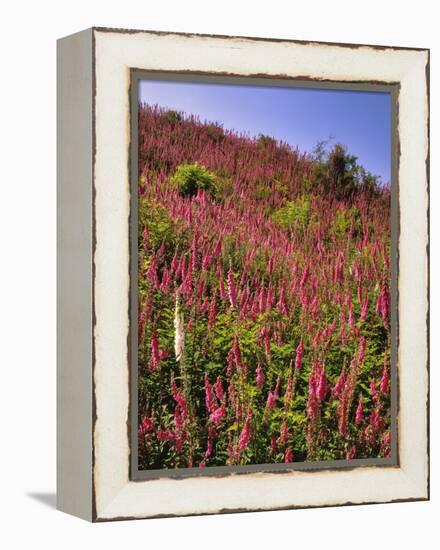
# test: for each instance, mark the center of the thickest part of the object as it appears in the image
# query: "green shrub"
(160, 225)
(262, 191)
(215, 132)
(190, 178)
(337, 172)
(345, 219)
(172, 117)
(295, 212)
(281, 187)
(266, 141)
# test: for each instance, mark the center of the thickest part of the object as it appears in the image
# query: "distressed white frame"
(115, 53)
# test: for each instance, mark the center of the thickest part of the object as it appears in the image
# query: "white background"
(27, 274)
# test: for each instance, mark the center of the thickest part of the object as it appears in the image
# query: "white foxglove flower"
(179, 334)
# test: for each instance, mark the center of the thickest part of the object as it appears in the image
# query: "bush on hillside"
(190, 178)
(337, 172)
(294, 213)
(172, 117)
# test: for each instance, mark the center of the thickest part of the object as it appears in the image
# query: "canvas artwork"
(243, 273)
(264, 275)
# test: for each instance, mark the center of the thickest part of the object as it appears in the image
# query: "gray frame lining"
(137, 75)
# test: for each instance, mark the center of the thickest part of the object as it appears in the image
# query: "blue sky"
(299, 116)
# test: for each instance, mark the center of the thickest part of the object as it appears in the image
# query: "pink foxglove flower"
(232, 293)
(194, 251)
(165, 435)
(273, 446)
(364, 309)
(288, 455)
(284, 434)
(217, 415)
(351, 454)
(260, 376)
(146, 426)
(208, 451)
(174, 263)
(262, 299)
(376, 420)
(315, 342)
(299, 355)
(385, 380)
(245, 432)
(321, 387)
(166, 280)
(210, 399)
(271, 401)
(155, 359)
(282, 304)
(219, 391)
(339, 384)
(361, 351)
(359, 412)
(384, 303)
(230, 368)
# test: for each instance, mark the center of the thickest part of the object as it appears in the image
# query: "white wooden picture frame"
(94, 133)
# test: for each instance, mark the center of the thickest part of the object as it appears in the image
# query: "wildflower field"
(264, 301)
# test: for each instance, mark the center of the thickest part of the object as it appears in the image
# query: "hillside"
(264, 308)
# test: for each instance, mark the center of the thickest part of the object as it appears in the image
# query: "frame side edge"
(428, 256)
(74, 274)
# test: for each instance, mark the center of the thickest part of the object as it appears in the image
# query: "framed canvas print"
(242, 274)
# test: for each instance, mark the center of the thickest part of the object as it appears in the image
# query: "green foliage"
(160, 225)
(172, 117)
(295, 213)
(342, 171)
(224, 187)
(262, 191)
(337, 172)
(266, 141)
(281, 188)
(345, 219)
(215, 132)
(369, 182)
(190, 178)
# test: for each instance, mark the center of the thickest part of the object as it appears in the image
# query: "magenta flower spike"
(359, 412)
(232, 293)
(288, 455)
(155, 359)
(385, 380)
(321, 386)
(299, 355)
(246, 432)
(260, 376)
